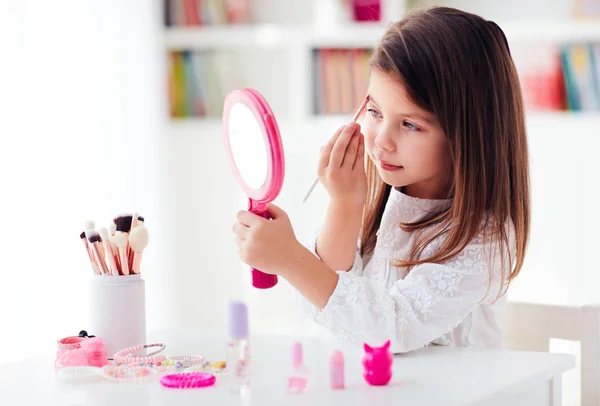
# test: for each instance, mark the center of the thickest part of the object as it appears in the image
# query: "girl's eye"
(374, 113)
(410, 126)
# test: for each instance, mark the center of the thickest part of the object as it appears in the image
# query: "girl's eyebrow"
(410, 115)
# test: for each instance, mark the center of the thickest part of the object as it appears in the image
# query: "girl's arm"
(337, 242)
(431, 301)
(341, 171)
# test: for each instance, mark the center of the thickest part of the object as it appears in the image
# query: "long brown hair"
(458, 66)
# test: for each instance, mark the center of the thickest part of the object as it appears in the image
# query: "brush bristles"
(103, 233)
(82, 235)
(119, 239)
(138, 239)
(89, 225)
(93, 236)
(123, 223)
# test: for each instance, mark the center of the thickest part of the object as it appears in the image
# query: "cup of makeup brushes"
(117, 289)
(118, 311)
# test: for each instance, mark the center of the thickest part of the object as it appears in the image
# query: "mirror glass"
(248, 146)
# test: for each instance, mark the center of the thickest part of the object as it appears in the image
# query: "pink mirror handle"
(260, 279)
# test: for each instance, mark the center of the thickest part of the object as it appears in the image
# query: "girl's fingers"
(248, 219)
(240, 230)
(360, 153)
(351, 151)
(326, 149)
(339, 149)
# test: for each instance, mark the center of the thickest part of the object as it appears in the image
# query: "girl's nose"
(384, 142)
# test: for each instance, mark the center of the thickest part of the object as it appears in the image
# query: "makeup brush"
(112, 227)
(356, 116)
(88, 225)
(121, 242)
(124, 226)
(109, 255)
(134, 218)
(90, 254)
(138, 239)
(96, 245)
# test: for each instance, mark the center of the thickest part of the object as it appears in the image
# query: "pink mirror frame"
(258, 198)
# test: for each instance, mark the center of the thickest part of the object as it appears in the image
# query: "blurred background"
(112, 106)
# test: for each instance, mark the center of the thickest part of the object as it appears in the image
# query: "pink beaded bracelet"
(188, 380)
(128, 355)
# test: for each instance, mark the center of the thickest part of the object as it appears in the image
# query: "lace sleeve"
(431, 301)
(357, 267)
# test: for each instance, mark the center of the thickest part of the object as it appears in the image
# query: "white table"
(431, 376)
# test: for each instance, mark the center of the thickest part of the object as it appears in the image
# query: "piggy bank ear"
(368, 348)
(386, 346)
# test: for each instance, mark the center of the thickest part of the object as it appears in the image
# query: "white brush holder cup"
(118, 311)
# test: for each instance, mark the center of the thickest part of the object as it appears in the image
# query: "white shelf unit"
(355, 35)
(285, 52)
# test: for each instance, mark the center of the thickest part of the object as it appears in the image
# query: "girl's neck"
(418, 191)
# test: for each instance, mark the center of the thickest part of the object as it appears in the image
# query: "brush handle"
(110, 258)
(310, 190)
(136, 259)
(97, 250)
(91, 255)
(124, 261)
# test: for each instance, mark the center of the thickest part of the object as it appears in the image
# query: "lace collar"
(403, 208)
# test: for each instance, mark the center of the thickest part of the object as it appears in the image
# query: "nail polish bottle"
(238, 356)
(336, 370)
(298, 380)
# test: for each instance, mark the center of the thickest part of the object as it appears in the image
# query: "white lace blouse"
(443, 304)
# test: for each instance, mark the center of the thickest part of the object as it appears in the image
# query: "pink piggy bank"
(377, 363)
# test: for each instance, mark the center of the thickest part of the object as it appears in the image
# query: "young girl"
(420, 247)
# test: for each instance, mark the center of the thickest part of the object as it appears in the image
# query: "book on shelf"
(195, 13)
(199, 81)
(340, 78)
(560, 78)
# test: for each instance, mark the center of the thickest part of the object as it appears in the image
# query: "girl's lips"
(388, 167)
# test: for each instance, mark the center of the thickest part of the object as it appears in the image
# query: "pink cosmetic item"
(90, 352)
(377, 363)
(188, 380)
(255, 153)
(298, 380)
(336, 370)
(366, 10)
(356, 116)
(238, 348)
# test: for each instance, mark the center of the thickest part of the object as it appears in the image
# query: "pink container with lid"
(336, 370)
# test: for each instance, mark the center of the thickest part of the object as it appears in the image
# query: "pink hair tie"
(129, 355)
(188, 380)
(127, 373)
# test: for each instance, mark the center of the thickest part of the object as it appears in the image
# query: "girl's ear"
(368, 348)
(386, 346)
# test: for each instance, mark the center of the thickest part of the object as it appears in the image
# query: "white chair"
(530, 327)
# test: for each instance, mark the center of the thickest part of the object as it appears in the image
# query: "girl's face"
(405, 142)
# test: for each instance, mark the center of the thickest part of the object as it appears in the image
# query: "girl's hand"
(267, 245)
(341, 167)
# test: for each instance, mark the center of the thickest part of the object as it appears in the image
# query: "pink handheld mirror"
(255, 153)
